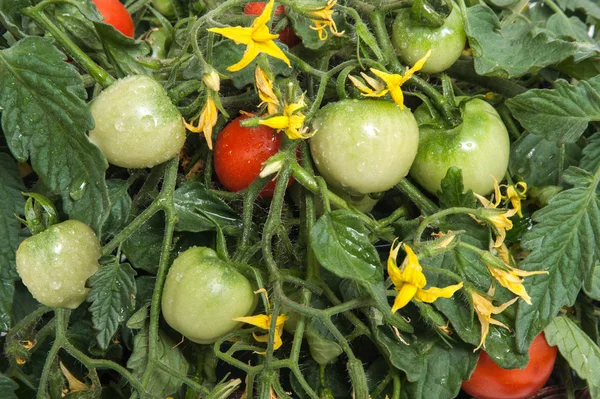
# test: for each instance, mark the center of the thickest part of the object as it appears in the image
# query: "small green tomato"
(480, 147)
(137, 125)
(203, 294)
(364, 146)
(412, 40)
(55, 264)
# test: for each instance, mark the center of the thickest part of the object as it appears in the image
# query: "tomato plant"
(490, 381)
(137, 126)
(165, 7)
(287, 34)
(479, 146)
(364, 146)
(412, 40)
(240, 152)
(55, 264)
(115, 14)
(203, 294)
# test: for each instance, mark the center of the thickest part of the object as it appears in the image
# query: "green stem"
(37, 14)
(425, 205)
(436, 216)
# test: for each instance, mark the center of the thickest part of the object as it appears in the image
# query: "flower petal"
(405, 294)
(270, 48)
(249, 55)
(431, 294)
(238, 34)
(261, 320)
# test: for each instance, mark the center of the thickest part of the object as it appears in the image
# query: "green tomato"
(364, 146)
(203, 294)
(55, 264)
(479, 147)
(137, 125)
(160, 41)
(412, 40)
(165, 7)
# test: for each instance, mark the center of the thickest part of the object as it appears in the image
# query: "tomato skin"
(287, 35)
(137, 125)
(490, 381)
(412, 41)
(240, 152)
(364, 146)
(202, 295)
(55, 264)
(115, 14)
(480, 147)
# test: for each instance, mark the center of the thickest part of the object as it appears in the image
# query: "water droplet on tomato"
(56, 285)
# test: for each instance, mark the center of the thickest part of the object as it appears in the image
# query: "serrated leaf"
(44, 117)
(572, 29)
(536, 160)
(10, 15)
(510, 50)
(198, 210)
(582, 354)
(591, 154)
(561, 114)
(452, 191)
(161, 384)
(122, 51)
(341, 244)
(444, 371)
(120, 207)
(565, 242)
(589, 7)
(404, 356)
(143, 247)
(113, 298)
(7, 387)
(592, 283)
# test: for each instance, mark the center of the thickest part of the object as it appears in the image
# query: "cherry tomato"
(240, 152)
(55, 264)
(364, 146)
(287, 35)
(115, 14)
(490, 381)
(412, 41)
(203, 294)
(479, 146)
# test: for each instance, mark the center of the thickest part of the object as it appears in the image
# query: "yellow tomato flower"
(323, 18)
(410, 281)
(206, 122)
(264, 321)
(499, 219)
(290, 122)
(484, 310)
(264, 85)
(393, 82)
(257, 38)
(515, 194)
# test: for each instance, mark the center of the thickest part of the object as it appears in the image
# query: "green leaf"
(591, 154)
(10, 16)
(592, 284)
(572, 29)
(444, 371)
(589, 7)
(144, 246)
(11, 203)
(198, 210)
(120, 208)
(341, 244)
(161, 383)
(80, 28)
(561, 114)
(227, 53)
(582, 354)
(583, 70)
(404, 356)
(452, 191)
(510, 50)
(565, 242)
(536, 160)
(45, 117)
(113, 298)
(123, 51)
(7, 387)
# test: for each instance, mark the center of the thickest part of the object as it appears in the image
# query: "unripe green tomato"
(165, 7)
(160, 41)
(364, 146)
(412, 40)
(203, 294)
(480, 147)
(55, 264)
(137, 125)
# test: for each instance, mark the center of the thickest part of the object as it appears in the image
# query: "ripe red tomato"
(287, 34)
(115, 14)
(239, 153)
(490, 381)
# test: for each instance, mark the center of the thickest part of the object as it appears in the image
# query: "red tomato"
(287, 34)
(115, 14)
(490, 381)
(239, 153)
